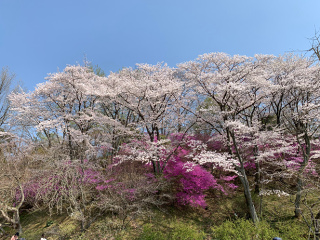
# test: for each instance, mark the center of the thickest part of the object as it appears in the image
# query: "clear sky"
(39, 36)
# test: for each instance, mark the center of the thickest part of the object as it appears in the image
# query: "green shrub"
(185, 231)
(176, 231)
(242, 229)
(150, 233)
(292, 230)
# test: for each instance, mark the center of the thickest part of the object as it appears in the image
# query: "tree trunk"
(316, 226)
(297, 210)
(249, 201)
(306, 157)
(316, 229)
(245, 182)
(257, 175)
(257, 179)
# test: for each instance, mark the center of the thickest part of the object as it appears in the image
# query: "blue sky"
(39, 36)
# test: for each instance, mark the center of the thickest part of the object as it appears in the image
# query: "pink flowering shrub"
(124, 187)
(192, 181)
(191, 184)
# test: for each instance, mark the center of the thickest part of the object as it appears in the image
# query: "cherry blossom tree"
(299, 96)
(148, 93)
(65, 108)
(235, 86)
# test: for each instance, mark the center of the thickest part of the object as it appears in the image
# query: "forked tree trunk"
(14, 218)
(5, 210)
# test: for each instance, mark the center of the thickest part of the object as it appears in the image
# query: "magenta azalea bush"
(191, 184)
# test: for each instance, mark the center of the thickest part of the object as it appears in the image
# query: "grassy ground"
(225, 218)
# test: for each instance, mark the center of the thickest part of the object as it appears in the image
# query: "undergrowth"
(224, 219)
